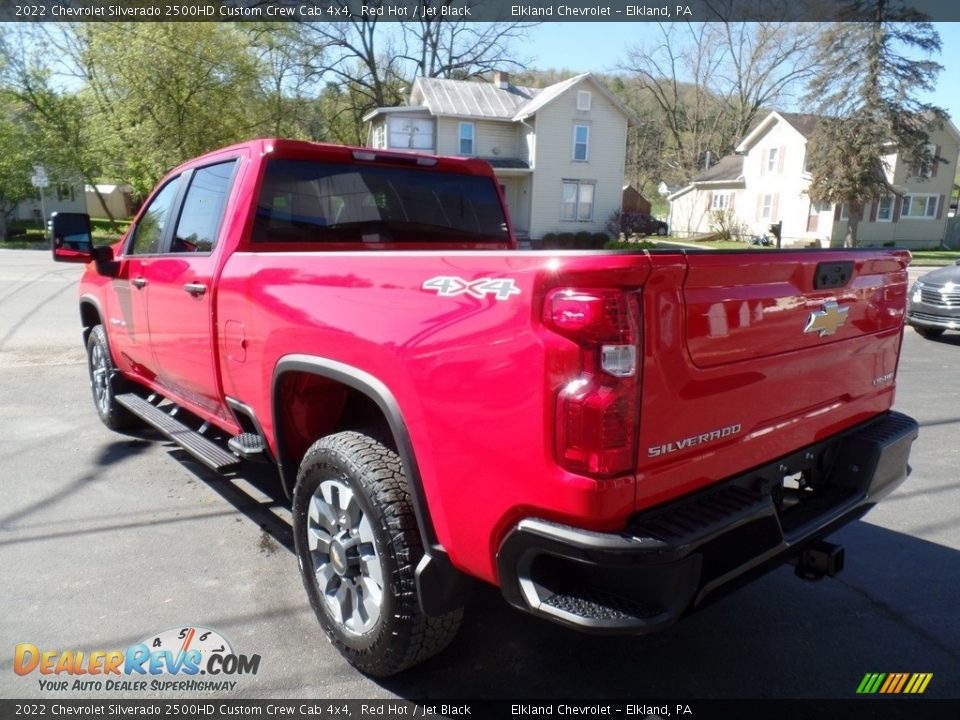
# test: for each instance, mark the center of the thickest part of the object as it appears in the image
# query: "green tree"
(868, 95)
(287, 83)
(15, 165)
(60, 122)
(166, 92)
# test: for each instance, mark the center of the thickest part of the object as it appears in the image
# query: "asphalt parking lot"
(106, 539)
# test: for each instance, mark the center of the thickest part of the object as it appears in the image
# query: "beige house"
(118, 199)
(557, 151)
(765, 183)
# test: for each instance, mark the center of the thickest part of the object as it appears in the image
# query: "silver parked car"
(934, 302)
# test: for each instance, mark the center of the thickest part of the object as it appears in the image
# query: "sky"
(600, 47)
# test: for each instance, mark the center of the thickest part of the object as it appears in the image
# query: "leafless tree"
(712, 81)
(375, 62)
(448, 48)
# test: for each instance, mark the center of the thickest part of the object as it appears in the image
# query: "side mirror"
(73, 242)
(72, 237)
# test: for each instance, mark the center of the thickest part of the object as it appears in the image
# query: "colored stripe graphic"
(894, 683)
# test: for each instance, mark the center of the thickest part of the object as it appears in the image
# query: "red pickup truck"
(610, 437)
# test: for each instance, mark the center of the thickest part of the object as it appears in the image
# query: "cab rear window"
(303, 201)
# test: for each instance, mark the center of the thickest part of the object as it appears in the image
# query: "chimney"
(501, 79)
(706, 161)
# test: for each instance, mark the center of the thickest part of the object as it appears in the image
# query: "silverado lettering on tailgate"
(689, 442)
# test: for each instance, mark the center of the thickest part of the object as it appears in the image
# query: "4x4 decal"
(451, 286)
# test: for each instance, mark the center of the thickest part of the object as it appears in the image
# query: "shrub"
(627, 245)
(581, 241)
(626, 223)
(726, 225)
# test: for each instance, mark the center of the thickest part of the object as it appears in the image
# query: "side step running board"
(248, 445)
(206, 451)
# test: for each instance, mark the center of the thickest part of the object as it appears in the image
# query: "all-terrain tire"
(358, 545)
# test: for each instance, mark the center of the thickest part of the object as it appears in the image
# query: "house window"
(411, 133)
(65, 192)
(772, 156)
(845, 212)
(466, 138)
(766, 207)
(380, 136)
(581, 142)
(922, 207)
(928, 170)
(885, 209)
(583, 100)
(720, 201)
(576, 202)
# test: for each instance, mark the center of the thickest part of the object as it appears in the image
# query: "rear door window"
(203, 207)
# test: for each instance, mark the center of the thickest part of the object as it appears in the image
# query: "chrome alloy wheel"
(345, 559)
(100, 378)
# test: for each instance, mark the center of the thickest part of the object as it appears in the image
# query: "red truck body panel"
(728, 377)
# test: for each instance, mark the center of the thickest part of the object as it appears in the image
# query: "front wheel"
(104, 382)
(358, 546)
(929, 333)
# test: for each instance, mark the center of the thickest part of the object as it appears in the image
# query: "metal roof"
(469, 98)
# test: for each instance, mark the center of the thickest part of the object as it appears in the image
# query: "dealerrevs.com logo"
(169, 661)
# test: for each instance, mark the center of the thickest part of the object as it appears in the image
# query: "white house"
(58, 196)
(765, 183)
(557, 151)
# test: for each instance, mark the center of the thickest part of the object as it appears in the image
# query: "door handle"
(138, 282)
(195, 289)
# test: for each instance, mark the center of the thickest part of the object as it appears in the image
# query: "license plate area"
(802, 486)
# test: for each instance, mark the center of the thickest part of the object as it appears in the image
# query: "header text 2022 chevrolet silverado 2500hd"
(608, 437)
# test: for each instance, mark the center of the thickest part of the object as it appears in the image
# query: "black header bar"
(473, 10)
(207, 708)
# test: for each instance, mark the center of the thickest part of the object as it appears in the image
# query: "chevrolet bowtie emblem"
(826, 321)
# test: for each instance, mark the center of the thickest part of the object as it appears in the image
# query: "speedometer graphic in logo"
(182, 640)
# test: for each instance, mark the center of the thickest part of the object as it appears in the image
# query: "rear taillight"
(596, 411)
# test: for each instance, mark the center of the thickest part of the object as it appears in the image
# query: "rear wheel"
(358, 546)
(105, 382)
(929, 333)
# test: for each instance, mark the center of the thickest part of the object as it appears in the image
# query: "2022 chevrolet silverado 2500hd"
(609, 437)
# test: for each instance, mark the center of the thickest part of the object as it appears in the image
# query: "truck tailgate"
(740, 312)
(750, 356)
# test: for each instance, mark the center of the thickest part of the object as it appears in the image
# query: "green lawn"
(935, 257)
(716, 245)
